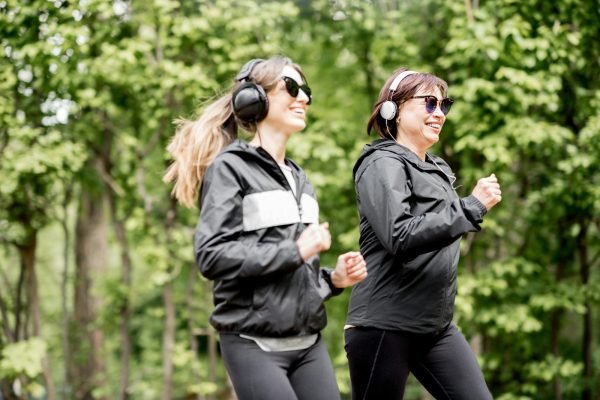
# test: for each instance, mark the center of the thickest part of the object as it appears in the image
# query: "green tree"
(89, 91)
(38, 163)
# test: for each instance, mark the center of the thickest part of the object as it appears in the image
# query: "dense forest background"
(99, 294)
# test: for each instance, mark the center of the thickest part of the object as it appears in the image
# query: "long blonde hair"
(197, 142)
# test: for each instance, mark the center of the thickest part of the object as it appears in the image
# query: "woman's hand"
(313, 240)
(487, 191)
(350, 269)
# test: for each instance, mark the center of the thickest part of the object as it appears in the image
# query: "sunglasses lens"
(308, 92)
(430, 104)
(446, 105)
(293, 89)
(291, 86)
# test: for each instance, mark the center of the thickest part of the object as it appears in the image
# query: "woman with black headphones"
(259, 236)
(411, 222)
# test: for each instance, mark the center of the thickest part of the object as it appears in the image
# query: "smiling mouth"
(434, 126)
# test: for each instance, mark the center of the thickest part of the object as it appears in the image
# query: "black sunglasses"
(432, 102)
(293, 88)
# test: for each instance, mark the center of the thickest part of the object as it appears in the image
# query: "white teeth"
(435, 126)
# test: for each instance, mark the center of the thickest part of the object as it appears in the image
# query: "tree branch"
(110, 182)
(4, 308)
(469, 11)
(3, 142)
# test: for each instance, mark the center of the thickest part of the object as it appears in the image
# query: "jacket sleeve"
(220, 254)
(325, 276)
(384, 194)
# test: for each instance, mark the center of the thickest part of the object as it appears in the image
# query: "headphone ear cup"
(250, 102)
(388, 110)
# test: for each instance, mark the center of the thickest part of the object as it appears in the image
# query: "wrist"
(336, 280)
(302, 252)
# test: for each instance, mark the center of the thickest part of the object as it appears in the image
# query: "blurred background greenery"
(99, 294)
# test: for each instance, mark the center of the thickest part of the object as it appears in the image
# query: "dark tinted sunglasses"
(432, 102)
(293, 88)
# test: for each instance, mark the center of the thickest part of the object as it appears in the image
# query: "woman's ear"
(398, 113)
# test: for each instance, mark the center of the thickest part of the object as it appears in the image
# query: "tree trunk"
(125, 313)
(19, 331)
(90, 256)
(587, 341)
(27, 255)
(189, 300)
(212, 355)
(169, 331)
(6, 392)
(211, 340)
(229, 392)
(64, 293)
(168, 340)
(555, 328)
(5, 322)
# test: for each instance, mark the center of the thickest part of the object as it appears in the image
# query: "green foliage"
(21, 363)
(23, 358)
(80, 78)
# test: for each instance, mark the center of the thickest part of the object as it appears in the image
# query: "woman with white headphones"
(411, 221)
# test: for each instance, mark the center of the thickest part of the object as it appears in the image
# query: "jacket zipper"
(286, 184)
(298, 194)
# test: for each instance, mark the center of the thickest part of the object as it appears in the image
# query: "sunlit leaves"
(549, 368)
(24, 358)
(525, 79)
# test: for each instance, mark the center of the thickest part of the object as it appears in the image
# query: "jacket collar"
(258, 154)
(396, 150)
(262, 158)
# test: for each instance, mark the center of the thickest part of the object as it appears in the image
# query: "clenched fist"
(313, 240)
(487, 191)
(351, 268)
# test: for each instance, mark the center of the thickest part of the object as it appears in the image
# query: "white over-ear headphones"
(389, 108)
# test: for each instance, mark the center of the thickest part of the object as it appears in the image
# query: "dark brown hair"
(407, 88)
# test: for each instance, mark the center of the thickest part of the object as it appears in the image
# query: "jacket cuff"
(474, 208)
(326, 274)
(298, 260)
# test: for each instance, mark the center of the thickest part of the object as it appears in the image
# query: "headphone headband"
(399, 78)
(246, 70)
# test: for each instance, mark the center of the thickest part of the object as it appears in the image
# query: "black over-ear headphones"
(389, 108)
(249, 100)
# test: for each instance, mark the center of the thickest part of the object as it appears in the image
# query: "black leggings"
(282, 375)
(444, 364)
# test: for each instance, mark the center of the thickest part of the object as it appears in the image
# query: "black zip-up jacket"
(411, 221)
(245, 242)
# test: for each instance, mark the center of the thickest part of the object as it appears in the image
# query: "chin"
(299, 126)
(433, 139)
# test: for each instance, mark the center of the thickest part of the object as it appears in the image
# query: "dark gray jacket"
(245, 242)
(411, 221)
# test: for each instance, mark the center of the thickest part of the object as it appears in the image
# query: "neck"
(419, 152)
(272, 141)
